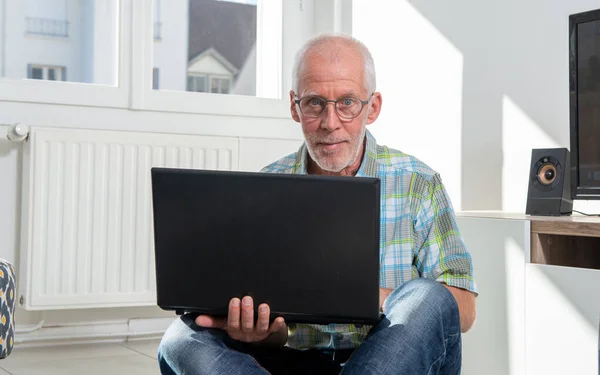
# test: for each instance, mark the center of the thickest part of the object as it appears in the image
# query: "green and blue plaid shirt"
(419, 235)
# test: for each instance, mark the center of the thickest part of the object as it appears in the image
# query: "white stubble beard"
(324, 164)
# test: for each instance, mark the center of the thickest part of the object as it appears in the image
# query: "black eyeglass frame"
(327, 101)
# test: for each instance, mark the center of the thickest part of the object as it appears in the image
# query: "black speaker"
(549, 192)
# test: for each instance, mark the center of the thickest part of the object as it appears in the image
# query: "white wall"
(471, 86)
(49, 9)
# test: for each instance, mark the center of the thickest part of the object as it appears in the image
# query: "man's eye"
(348, 102)
(315, 102)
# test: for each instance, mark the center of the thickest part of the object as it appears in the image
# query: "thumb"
(208, 321)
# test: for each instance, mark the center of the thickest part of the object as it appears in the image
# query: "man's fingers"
(278, 324)
(233, 317)
(262, 324)
(208, 321)
(247, 314)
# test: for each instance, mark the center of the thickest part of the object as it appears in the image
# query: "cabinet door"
(496, 343)
(562, 320)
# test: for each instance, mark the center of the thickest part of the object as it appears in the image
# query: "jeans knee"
(172, 342)
(422, 299)
(185, 345)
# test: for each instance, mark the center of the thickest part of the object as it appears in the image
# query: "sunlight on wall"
(419, 73)
(514, 256)
(519, 135)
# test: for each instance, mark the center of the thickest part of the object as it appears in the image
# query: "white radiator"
(87, 231)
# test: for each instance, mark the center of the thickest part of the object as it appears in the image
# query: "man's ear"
(293, 108)
(374, 107)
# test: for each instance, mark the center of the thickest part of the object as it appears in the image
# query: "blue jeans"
(419, 333)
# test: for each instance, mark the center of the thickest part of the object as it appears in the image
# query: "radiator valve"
(17, 132)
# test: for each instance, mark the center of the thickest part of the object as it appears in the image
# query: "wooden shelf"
(566, 241)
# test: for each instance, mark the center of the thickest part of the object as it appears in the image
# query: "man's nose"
(331, 120)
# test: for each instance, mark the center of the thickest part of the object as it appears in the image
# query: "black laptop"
(307, 245)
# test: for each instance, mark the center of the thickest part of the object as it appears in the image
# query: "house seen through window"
(206, 45)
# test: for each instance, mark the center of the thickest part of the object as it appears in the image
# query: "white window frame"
(282, 28)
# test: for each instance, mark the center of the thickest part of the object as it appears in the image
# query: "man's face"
(333, 142)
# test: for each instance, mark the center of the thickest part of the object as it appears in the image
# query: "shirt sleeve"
(439, 250)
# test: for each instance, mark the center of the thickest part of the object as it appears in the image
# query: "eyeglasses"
(347, 107)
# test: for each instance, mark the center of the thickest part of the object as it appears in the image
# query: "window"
(215, 40)
(116, 58)
(200, 83)
(80, 37)
(155, 78)
(219, 85)
(36, 73)
(197, 83)
(50, 73)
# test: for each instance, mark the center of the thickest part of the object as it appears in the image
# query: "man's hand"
(240, 324)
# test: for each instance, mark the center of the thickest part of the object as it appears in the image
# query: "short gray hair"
(317, 41)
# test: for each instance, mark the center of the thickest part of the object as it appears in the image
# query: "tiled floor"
(131, 358)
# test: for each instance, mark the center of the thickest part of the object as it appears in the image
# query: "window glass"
(36, 73)
(59, 36)
(206, 45)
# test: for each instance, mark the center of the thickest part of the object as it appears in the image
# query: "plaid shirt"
(419, 235)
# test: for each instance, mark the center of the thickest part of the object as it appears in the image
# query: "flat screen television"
(584, 90)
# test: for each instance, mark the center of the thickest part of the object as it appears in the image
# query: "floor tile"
(148, 348)
(135, 364)
(65, 352)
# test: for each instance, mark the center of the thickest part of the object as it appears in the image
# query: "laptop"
(307, 245)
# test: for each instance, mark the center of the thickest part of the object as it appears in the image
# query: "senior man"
(427, 292)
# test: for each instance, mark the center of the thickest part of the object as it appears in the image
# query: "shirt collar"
(368, 167)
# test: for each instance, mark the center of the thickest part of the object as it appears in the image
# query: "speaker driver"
(547, 173)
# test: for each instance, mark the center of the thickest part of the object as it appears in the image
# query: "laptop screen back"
(306, 245)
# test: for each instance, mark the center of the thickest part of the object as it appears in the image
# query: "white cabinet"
(495, 345)
(562, 314)
(533, 318)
